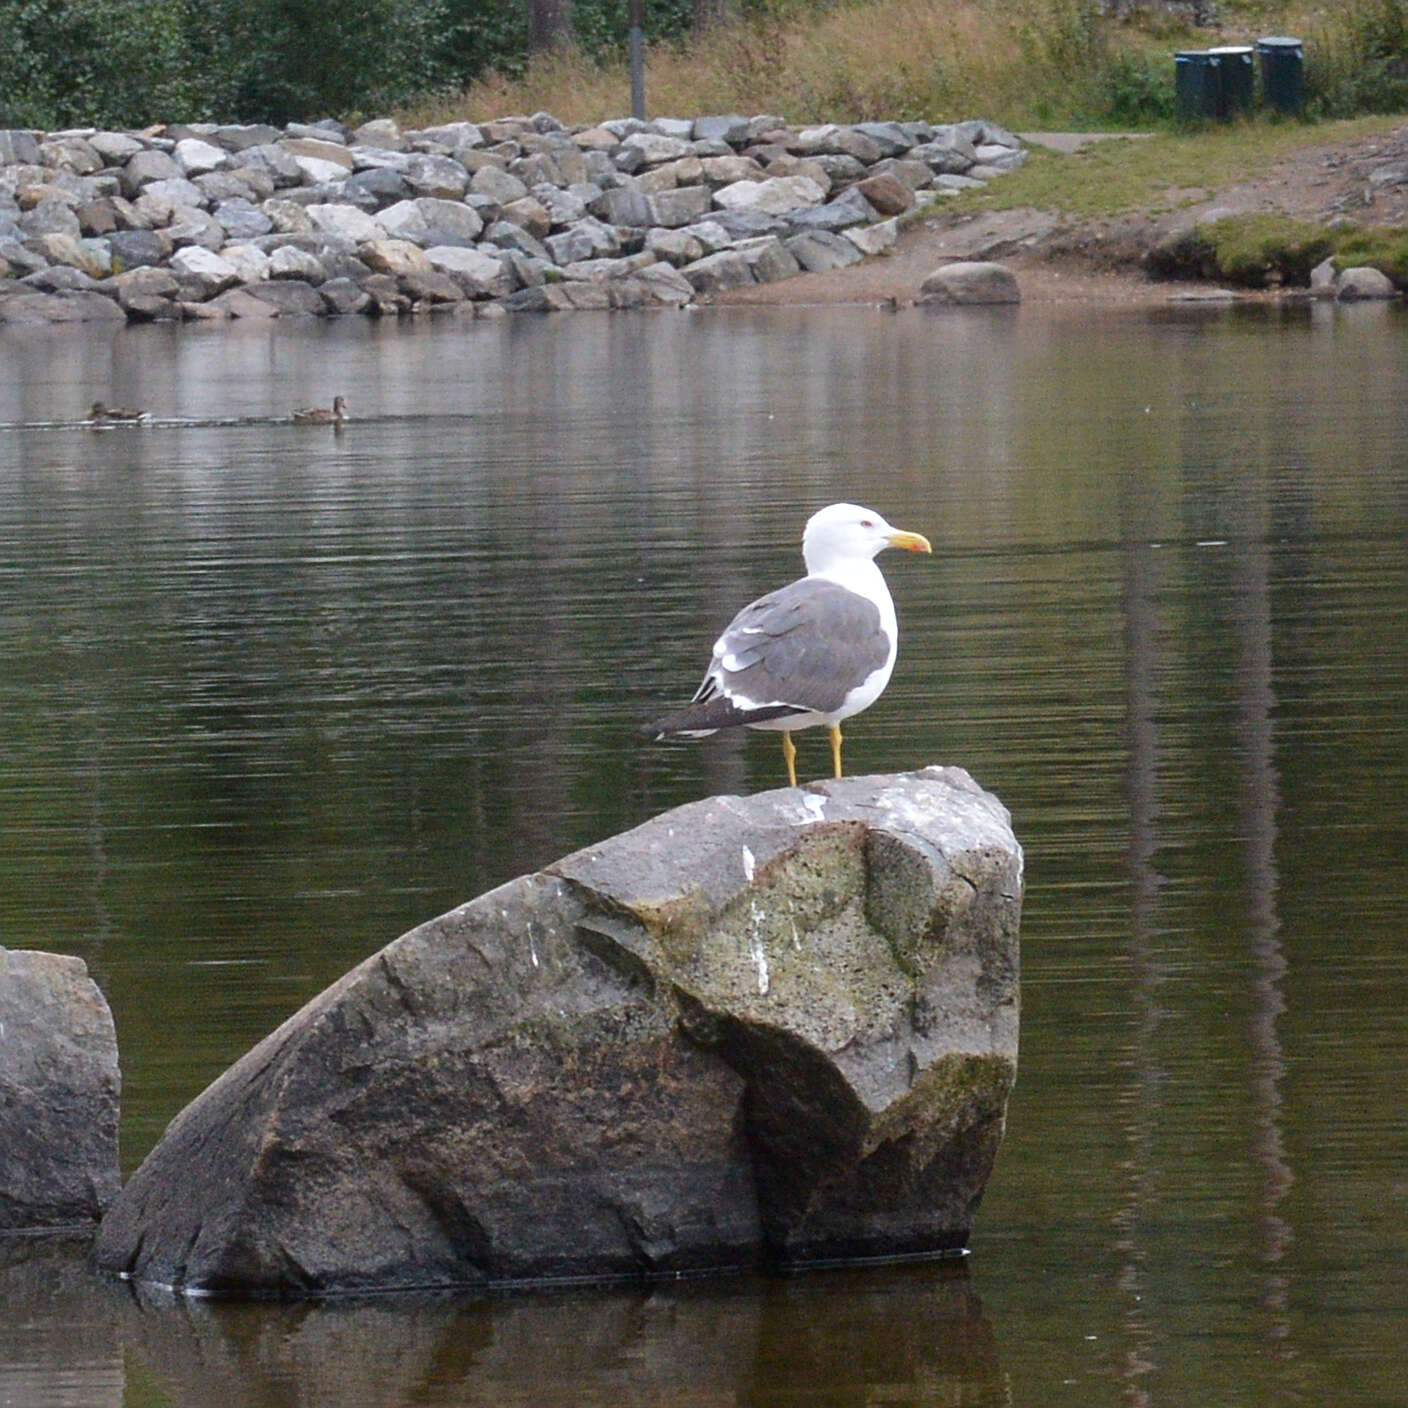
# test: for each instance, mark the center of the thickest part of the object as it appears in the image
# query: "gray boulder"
(770, 1029)
(970, 281)
(819, 250)
(1363, 282)
(18, 147)
(59, 1086)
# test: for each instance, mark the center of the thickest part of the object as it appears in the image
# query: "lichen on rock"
(752, 1030)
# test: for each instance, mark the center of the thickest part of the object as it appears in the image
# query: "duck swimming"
(99, 413)
(321, 415)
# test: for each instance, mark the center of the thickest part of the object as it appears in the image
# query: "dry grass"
(891, 59)
(1026, 63)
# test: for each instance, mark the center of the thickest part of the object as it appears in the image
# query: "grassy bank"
(1026, 63)
(1158, 172)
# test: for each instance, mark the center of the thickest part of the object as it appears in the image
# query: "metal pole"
(635, 13)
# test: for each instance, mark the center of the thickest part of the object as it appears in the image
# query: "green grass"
(1158, 172)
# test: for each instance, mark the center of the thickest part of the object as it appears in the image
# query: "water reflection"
(269, 697)
(918, 1332)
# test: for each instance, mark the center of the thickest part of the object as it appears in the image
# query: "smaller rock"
(665, 284)
(241, 220)
(726, 269)
(292, 298)
(395, 257)
(498, 185)
(1364, 282)
(776, 195)
(381, 132)
(132, 249)
(345, 222)
(480, 275)
(769, 259)
(59, 1083)
(204, 269)
(873, 239)
(290, 262)
(654, 147)
(681, 206)
(272, 157)
(623, 205)
(1322, 279)
(249, 263)
(587, 239)
(819, 250)
(344, 296)
(241, 303)
(970, 281)
(374, 189)
(195, 157)
(887, 193)
(144, 166)
(730, 128)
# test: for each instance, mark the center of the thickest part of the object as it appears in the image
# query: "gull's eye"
(867, 523)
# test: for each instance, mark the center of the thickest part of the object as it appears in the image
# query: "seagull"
(320, 415)
(815, 651)
(100, 414)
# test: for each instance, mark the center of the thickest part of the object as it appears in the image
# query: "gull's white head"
(847, 533)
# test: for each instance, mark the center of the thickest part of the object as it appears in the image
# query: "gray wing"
(804, 647)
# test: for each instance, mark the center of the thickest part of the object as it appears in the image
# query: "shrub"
(1251, 249)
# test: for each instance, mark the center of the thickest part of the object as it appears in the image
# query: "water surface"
(272, 694)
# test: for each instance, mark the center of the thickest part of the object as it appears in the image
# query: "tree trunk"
(549, 24)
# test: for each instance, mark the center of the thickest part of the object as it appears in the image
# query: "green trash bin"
(1282, 72)
(1236, 73)
(1197, 85)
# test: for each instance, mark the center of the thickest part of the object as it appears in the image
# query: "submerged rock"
(59, 1086)
(753, 1030)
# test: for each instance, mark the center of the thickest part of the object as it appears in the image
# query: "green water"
(270, 695)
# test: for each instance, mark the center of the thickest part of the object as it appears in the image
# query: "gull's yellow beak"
(913, 542)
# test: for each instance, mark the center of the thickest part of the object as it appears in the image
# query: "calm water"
(270, 695)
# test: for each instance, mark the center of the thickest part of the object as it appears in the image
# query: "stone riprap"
(518, 214)
(59, 1086)
(753, 1029)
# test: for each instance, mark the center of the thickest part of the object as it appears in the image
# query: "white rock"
(778, 195)
(871, 239)
(402, 221)
(290, 262)
(479, 274)
(345, 221)
(195, 157)
(654, 147)
(316, 170)
(211, 271)
(250, 264)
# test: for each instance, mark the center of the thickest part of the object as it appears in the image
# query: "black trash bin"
(1235, 79)
(1197, 85)
(1282, 72)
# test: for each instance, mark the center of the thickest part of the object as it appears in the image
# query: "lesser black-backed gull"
(814, 652)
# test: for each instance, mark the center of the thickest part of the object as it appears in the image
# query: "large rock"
(59, 1087)
(1364, 281)
(777, 1028)
(970, 281)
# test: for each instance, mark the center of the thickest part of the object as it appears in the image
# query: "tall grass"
(1028, 63)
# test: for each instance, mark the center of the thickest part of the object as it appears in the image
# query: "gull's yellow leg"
(836, 749)
(789, 752)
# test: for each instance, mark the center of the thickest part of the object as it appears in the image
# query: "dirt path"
(1100, 261)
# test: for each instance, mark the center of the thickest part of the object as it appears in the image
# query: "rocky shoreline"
(482, 219)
